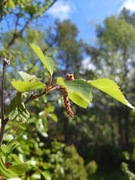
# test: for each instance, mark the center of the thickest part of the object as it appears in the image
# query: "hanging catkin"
(66, 101)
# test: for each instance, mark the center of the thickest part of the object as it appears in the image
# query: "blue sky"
(87, 13)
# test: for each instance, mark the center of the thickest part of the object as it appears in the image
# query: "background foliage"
(99, 142)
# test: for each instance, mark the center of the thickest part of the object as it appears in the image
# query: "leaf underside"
(27, 77)
(78, 91)
(17, 111)
(23, 86)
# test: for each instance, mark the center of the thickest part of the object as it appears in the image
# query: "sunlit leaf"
(78, 91)
(23, 86)
(78, 99)
(27, 77)
(41, 127)
(8, 149)
(6, 172)
(46, 175)
(16, 110)
(54, 117)
(11, 4)
(19, 168)
(47, 61)
(111, 88)
(61, 81)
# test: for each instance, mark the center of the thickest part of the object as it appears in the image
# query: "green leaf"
(78, 99)
(78, 91)
(23, 86)
(47, 61)
(8, 149)
(111, 88)
(61, 81)
(41, 127)
(16, 110)
(5, 149)
(11, 4)
(19, 168)
(6, 172)
(46, 175)
(28, 77)
(54, 117)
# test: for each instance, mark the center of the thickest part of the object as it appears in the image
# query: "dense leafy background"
(94, 144)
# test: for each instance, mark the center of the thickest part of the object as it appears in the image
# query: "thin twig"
(18, 34)
(32, 96)
(3, 124)
(51, 5)
(6, 62)
(2, 89)
(2, 103)
(46, 91)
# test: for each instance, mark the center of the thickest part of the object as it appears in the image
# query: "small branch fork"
(6, 62)
(3, 120)
(48, 89)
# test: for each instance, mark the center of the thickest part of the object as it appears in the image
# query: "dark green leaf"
(17, 110)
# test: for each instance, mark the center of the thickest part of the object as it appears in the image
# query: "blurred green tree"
(114, 58)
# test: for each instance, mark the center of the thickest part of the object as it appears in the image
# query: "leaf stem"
(50, 81)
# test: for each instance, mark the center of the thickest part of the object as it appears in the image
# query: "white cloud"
(128, 4)
(87, 65)
(61, 10)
